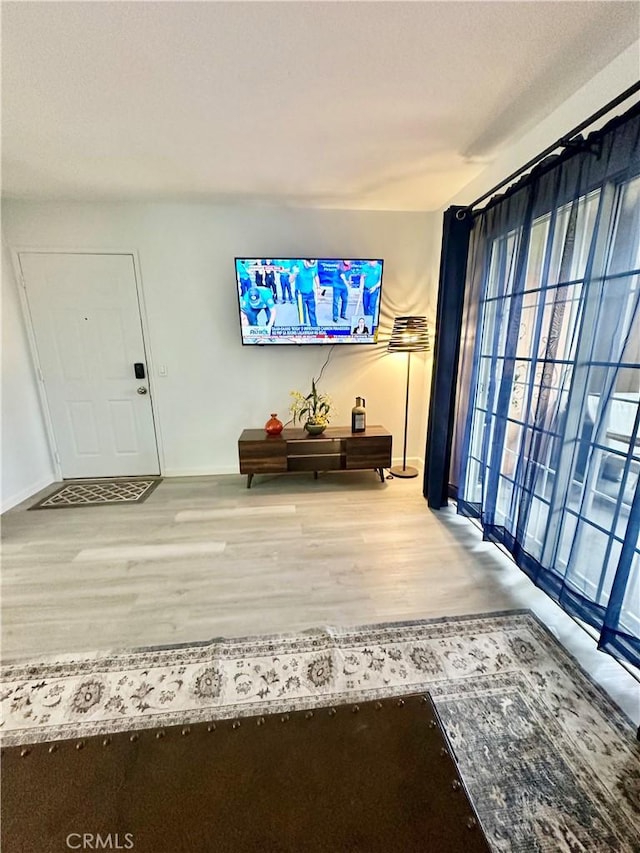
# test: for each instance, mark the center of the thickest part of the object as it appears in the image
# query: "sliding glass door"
(549, 451)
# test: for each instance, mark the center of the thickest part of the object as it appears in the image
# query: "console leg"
(315, 475)
(249, 479)
(380, 474)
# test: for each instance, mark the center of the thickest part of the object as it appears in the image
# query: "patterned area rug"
(552, 765)
(99, 493)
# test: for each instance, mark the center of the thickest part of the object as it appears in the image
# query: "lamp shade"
(410, 334)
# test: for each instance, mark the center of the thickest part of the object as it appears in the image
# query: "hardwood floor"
(205, 557)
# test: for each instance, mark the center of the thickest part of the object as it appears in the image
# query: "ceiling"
(356, 105)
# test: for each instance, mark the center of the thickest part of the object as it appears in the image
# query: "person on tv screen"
(361, 329)
(331, 274)
(370, 283)
(255, 300)
(270, 278)
(285, 281)
(258, 274)
(244, 276)
(307, 284)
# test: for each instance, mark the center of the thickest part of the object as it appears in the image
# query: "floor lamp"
(410, 334)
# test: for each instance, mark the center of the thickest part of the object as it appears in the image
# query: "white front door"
(86, 321)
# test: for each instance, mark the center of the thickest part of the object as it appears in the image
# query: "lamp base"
(407, 472)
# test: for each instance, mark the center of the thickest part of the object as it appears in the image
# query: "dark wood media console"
(337, 449)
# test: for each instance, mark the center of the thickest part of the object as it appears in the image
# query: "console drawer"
(263, 457)
(314, 447)
(317, 462)
(375, 452)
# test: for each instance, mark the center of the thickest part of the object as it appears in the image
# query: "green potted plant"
(313, 410)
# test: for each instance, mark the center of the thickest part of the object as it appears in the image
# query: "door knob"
(142, 390)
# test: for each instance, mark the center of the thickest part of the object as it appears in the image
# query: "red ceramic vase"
(273, 426)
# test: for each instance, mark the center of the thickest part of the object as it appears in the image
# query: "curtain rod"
(564, 142)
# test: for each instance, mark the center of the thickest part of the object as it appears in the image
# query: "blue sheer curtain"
(547, 442)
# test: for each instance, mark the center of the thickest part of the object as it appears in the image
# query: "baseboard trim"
(414, 461)
(24, 494)
(200, 472)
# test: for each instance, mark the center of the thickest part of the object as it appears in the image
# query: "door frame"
(15, 252)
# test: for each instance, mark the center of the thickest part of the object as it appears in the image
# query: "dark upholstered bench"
(379, 776)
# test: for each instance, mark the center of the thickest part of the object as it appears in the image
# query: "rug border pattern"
(318, 638)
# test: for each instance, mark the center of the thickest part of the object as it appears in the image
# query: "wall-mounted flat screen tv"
(309, 300)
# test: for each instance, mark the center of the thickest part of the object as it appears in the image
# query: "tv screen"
(309, 300)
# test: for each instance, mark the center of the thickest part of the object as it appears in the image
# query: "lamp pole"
(406, 415)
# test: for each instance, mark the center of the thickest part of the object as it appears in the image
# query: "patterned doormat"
(99, 493)
(551, 763)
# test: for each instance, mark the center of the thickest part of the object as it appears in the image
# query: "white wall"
(26, 461)
(215, 387)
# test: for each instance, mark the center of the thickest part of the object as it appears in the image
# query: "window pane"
(567, 535)
(477, 432)
(536, 528)
(606, 572)
(503, 500)
(484, 377)
(528, 318)
(535, 258)
(625, 254)
(572, 238)
(519, 387)
(629, 617)
(560, 322)
(618, 425)
(511, 447)
(473, 486)
(588, 560)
